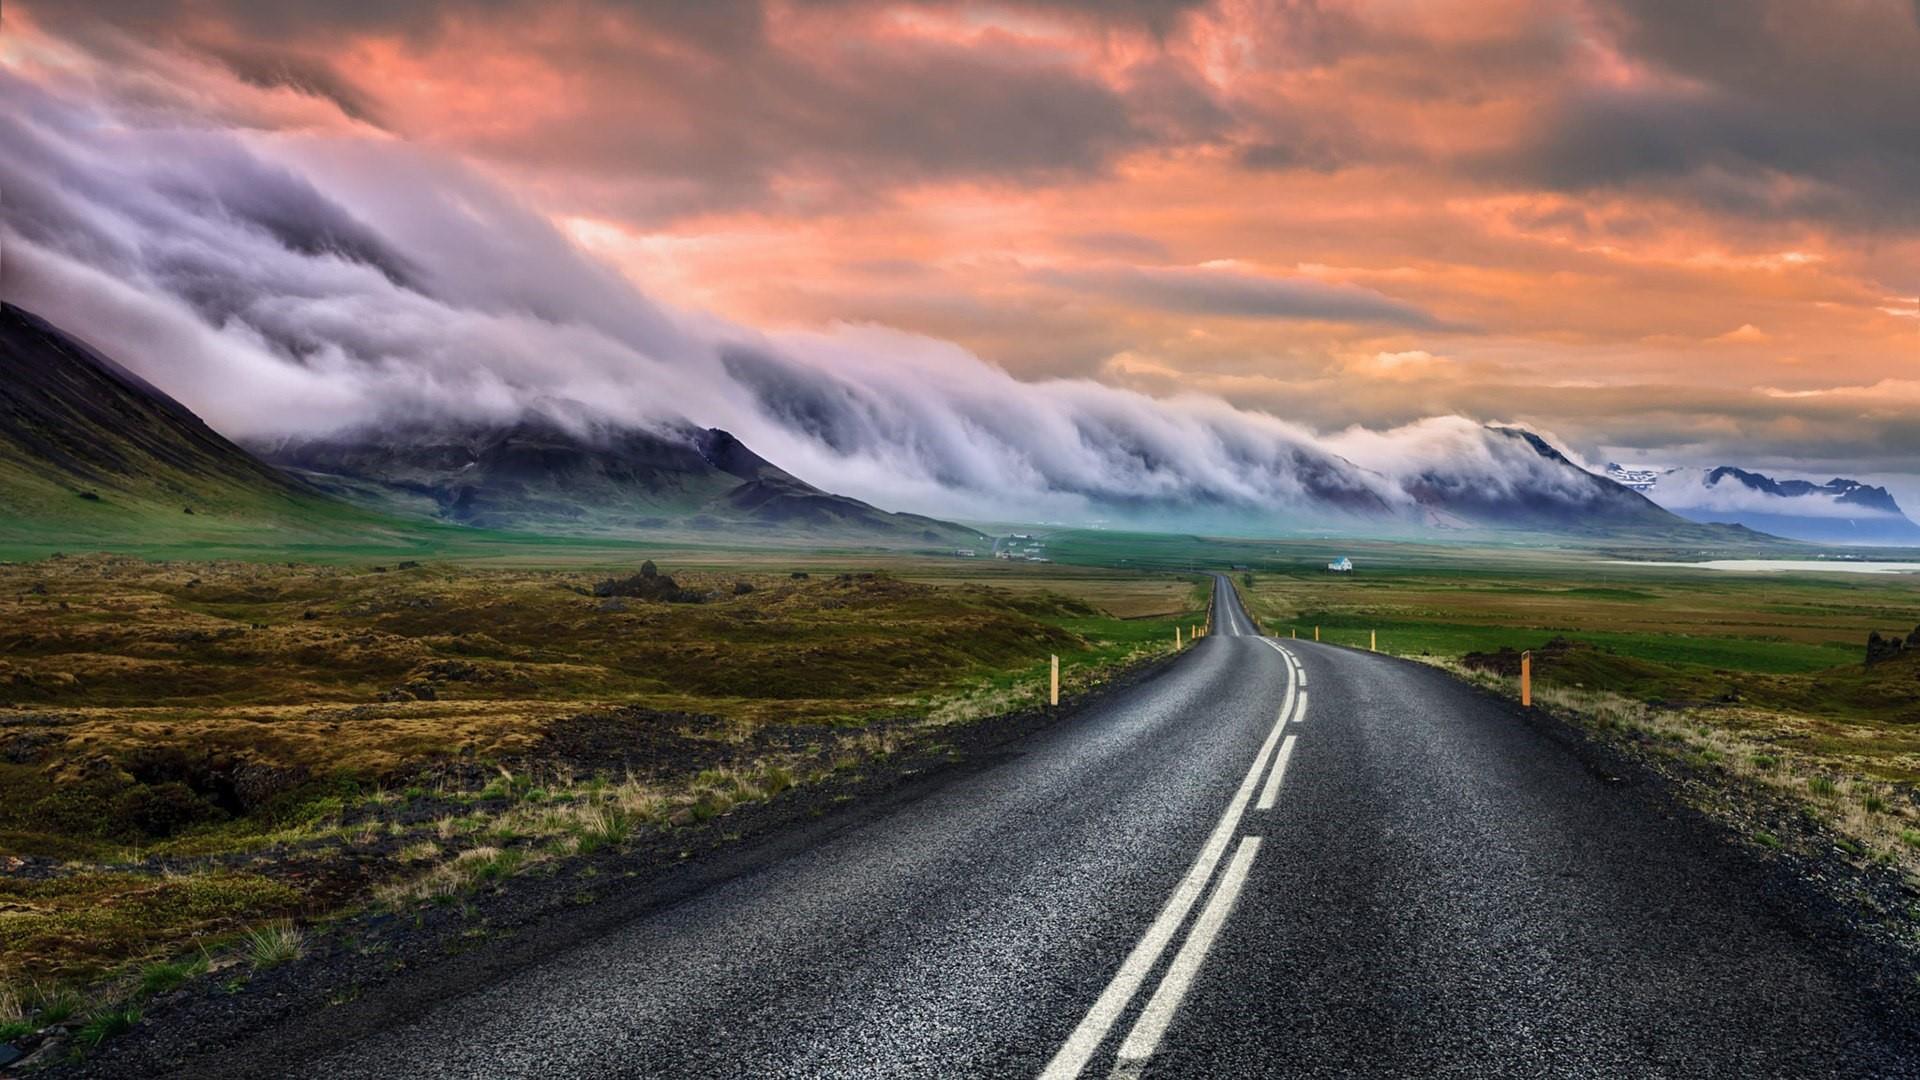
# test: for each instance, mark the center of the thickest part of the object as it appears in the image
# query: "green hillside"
(93, 456)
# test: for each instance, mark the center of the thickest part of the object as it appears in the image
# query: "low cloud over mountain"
(286, 271)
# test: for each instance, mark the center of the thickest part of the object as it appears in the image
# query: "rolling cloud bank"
(285, 276)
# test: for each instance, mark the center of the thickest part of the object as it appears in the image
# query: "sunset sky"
(1669, 232)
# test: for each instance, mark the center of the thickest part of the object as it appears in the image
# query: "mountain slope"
(1539, 490)
(90, 453)
(545, 474)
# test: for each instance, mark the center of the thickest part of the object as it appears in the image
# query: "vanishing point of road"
(1272, 858)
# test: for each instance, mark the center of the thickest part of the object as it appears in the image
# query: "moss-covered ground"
(192, 751)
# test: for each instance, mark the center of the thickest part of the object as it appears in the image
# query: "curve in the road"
(1191, 880)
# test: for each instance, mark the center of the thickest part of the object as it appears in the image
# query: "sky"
(1681, 234)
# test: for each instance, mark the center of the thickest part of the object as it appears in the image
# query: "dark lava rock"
(1883, 648)
(648, 584)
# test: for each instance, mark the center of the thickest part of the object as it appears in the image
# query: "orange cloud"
(1576, 206)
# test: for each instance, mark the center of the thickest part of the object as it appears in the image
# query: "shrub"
(160, 810)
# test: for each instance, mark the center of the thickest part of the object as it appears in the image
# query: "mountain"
(1847, 493)
(91, 453)
(1839, 511)
(550, 472)
(1537, 489)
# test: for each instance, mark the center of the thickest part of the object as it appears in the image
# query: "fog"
(1687, 490)
(284, 275)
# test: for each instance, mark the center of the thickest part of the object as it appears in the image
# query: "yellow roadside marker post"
(1054, 697)
(1316, 633)
(1526, 679)
(1176, 637)
(1373, 641)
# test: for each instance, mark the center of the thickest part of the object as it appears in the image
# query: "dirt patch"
(634, 740)
(1505, 661)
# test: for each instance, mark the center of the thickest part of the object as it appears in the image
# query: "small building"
(1341, 565)
(965, 553)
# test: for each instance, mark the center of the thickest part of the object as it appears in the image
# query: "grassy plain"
(203, 757)
(192, 751)
(1750, 682)
(1755, 679)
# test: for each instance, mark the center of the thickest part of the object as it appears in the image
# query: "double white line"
(1144, 1038)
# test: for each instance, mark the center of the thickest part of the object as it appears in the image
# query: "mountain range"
(1838, 511)
(92, 453)
(540, 473)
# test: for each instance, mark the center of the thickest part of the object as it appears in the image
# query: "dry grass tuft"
(274, 944)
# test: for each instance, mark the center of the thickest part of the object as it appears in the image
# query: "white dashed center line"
(1272, 790)
(1142, 1040)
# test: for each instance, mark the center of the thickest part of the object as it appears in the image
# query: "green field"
(1449, 600)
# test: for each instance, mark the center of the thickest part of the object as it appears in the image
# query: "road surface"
(1275, 858)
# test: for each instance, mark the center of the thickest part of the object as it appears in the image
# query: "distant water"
(1777, 566)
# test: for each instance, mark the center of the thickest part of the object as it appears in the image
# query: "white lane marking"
(1286, 703)
(1080, 1046)
(1144, 1039)
(1300, 709)
(1272, 790)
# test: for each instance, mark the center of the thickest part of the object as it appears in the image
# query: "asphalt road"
(1428, 886)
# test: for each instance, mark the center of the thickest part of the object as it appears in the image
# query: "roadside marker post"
(1176, 637)
(1316, 633)
(1373, 641)
(1053, 698)
(1526, 679)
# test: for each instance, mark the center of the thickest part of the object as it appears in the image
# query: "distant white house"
(965, 553)
(1341, 565)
